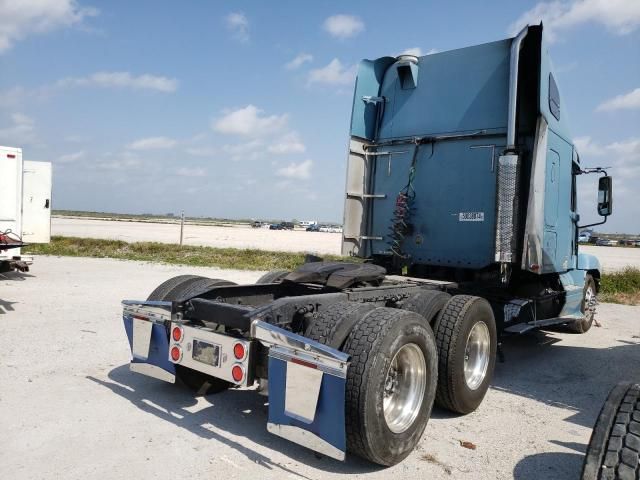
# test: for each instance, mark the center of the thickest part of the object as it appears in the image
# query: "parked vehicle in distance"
(313, 228)
(287, 225)
(275, 226)
(308, 223)
(605, 242)
(583, 238)
(256, 224)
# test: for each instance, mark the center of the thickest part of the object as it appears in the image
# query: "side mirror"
(605, 200)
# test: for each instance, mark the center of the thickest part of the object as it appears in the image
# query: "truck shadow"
(549, 465)
(15, 276)
(235, 412)
(540, 366)
(6, 306)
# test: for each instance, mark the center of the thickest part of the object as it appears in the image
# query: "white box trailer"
(25, 207)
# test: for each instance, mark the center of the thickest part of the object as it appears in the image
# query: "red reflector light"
(237, 373)
(176, 354)
(176, 333)
(239, 351)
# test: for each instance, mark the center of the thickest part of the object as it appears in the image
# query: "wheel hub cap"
(476, 355)
(404, 388)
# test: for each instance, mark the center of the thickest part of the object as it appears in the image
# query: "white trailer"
(25, 207)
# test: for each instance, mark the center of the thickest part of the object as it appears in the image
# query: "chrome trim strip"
(534, 226)
(271, 335)
(306, 439)
(516, 44)
(157, 312)
(327, 366)
(152, 371)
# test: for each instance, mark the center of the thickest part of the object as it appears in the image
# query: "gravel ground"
(70, 408)
(611, 258)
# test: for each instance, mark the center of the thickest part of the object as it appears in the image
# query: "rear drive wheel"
(467, 340)
(332, 325)
(588, 307)
(174, 289)
(614, 448)
(274, 276)
(391, 384)
(427, 303)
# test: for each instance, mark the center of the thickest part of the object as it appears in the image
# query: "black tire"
(615, 441)
(583, 325)
(428, 303)
(372, 344)
(174, 289)
(452, 329)
(274, 276)
(333, 325)
(163, 291)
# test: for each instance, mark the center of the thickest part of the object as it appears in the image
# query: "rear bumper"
(306, 379)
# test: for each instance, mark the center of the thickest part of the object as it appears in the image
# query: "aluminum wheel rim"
(404, 387)
(476, 355)
(589, 303)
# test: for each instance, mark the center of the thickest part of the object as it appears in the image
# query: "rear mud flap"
(149, 349)
(306, 405)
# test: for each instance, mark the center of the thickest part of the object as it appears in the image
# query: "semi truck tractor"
(460, 229)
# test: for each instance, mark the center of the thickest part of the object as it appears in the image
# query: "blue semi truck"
(461, 222)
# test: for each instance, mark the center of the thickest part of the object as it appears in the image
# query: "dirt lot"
(612, 258)
(70, 408)
(232, 236)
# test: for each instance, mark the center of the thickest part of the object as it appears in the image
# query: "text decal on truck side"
(471, 217)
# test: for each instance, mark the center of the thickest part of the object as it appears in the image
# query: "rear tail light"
(239, 351)
(237, 372)
(176, 334)
(176, 353)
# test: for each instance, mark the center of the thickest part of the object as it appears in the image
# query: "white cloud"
(586, 146)
(623, 156)
(249, 121)
(335, 73)
(289, 143)
(627, 101)
(298, 61)
(202, 151)
(153, 143)
(245, 151)
(619, 16)
(343, 26)
(71, 157)
(623, 160)
(122, 80)
(21, 18)
(238, 23)
(191, 172)
(299, 171)
(20, 132)
(124, 162)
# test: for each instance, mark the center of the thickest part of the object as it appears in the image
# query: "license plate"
(207, 353)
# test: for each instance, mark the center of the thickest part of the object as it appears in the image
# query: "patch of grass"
(621, 287)
(247, 259)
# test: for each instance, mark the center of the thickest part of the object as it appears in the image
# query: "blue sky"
(241, 109)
